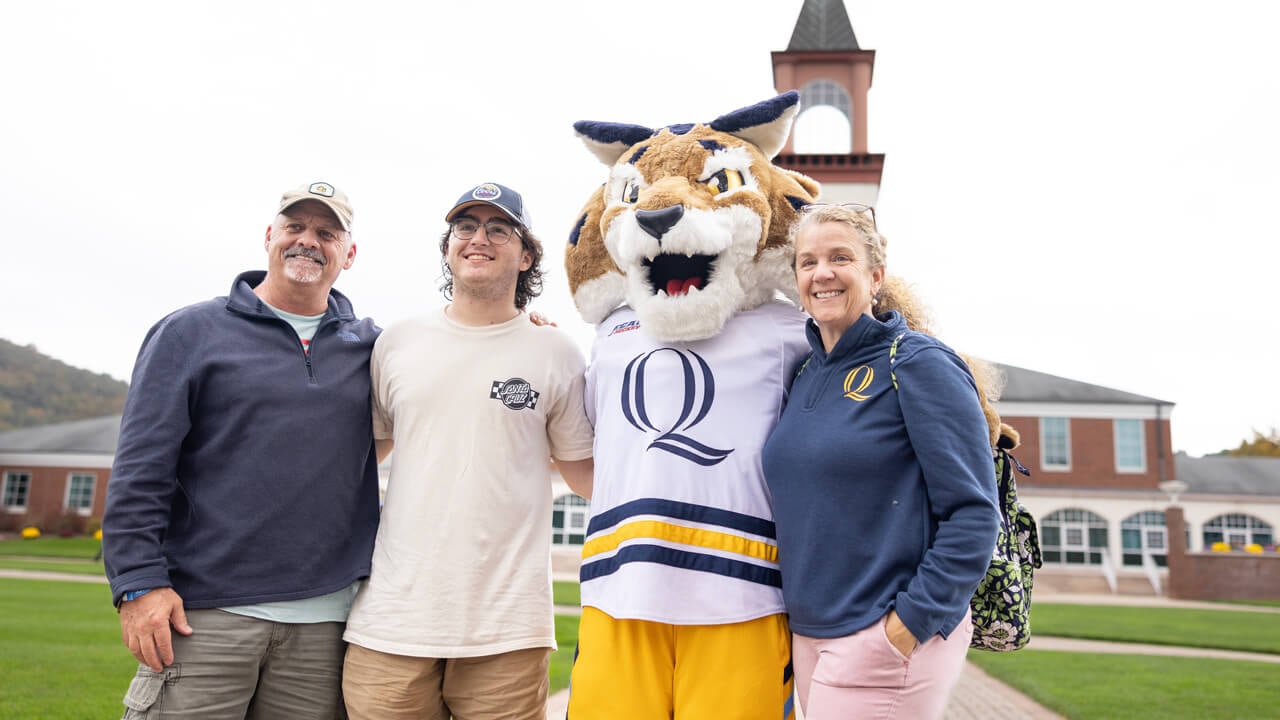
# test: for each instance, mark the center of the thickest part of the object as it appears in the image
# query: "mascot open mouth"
(676, 274)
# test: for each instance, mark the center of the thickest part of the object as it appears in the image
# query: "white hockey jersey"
(681, 527)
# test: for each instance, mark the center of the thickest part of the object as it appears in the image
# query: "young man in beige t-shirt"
(456, 618)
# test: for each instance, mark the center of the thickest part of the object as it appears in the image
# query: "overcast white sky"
(1086, 189)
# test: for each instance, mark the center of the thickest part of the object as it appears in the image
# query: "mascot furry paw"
(679, 258)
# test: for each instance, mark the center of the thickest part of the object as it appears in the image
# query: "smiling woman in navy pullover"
(884, 497)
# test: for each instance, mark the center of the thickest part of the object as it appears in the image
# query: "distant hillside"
(36, 389)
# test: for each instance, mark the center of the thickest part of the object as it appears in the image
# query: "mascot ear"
(765, 124)
(607, 141)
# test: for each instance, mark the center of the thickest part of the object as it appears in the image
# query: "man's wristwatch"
(134, 595)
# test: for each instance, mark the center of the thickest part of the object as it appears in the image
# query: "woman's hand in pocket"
(899, 636)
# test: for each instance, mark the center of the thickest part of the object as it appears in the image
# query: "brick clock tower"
(824, 63)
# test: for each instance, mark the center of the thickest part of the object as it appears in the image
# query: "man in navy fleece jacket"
(243, 500)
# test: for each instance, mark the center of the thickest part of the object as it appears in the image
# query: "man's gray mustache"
(306, 253)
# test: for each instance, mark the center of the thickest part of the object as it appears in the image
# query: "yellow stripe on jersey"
(697, 537)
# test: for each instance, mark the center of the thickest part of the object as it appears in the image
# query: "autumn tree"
(1261, 446)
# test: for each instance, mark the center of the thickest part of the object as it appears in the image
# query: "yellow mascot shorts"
(640, 670)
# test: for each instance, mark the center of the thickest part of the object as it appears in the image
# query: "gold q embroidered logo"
(858, 380)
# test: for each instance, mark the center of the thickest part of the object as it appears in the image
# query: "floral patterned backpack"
(1001, 606)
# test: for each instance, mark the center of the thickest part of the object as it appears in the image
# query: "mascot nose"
(658, 222)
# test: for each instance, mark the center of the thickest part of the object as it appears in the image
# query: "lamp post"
(1173, 488)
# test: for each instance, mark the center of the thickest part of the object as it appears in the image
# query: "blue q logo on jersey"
(696, 380)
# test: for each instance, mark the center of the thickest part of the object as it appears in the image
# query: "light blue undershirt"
(335, 606)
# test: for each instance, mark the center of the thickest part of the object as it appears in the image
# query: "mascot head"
(691, 225)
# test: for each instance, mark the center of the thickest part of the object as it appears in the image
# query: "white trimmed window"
(569, 520)
(17, 486)
(80, 493)
(1144, 534)
(1055, 443)
(1237, 530)
(1073, 536)
(1131, 456)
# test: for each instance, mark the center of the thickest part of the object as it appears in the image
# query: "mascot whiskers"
(681, 258)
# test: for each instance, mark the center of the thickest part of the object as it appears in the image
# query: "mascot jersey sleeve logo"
(682, 260)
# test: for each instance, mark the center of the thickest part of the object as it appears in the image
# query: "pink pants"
(864, 676)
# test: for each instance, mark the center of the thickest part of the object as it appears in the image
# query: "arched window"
(1144, 533)
(568, 520)
(826, 119)
(1237, 530)
(1073, 537)
(826, 92)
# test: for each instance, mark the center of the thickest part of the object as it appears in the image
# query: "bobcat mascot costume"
(679, 259)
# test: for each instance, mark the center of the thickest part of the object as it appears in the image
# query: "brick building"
(1103, 474)
(55, 476)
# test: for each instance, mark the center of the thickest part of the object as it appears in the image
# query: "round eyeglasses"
(498, 232)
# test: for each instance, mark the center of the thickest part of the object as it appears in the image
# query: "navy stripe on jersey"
(680, 559)
(688, 512)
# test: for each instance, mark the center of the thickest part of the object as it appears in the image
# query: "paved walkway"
(977, 696)
(1124, 648)
(42, 575)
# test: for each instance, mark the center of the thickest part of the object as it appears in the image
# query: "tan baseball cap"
(323, 192)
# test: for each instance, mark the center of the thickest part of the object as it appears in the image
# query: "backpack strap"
(893, 357)
(803, 365)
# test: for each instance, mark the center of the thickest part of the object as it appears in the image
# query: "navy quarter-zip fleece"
(245, 469)
(884, 499)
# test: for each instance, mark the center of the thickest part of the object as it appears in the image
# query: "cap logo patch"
(323, 189)
(487, 191)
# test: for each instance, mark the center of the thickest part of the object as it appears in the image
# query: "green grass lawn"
(565, 592)
(1223, 629)
(73, 547)
(63, 659)
(1098, 687)
(52, 554)
(562, 659)
(62, 654)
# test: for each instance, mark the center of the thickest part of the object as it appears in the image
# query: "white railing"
(1153, 572)
(1108, 570)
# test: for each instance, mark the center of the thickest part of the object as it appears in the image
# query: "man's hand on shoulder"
(539, 319)
(145, 626)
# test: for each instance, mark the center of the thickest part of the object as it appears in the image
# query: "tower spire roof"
(823, 25)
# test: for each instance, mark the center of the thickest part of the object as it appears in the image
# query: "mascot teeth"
(677, 274)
